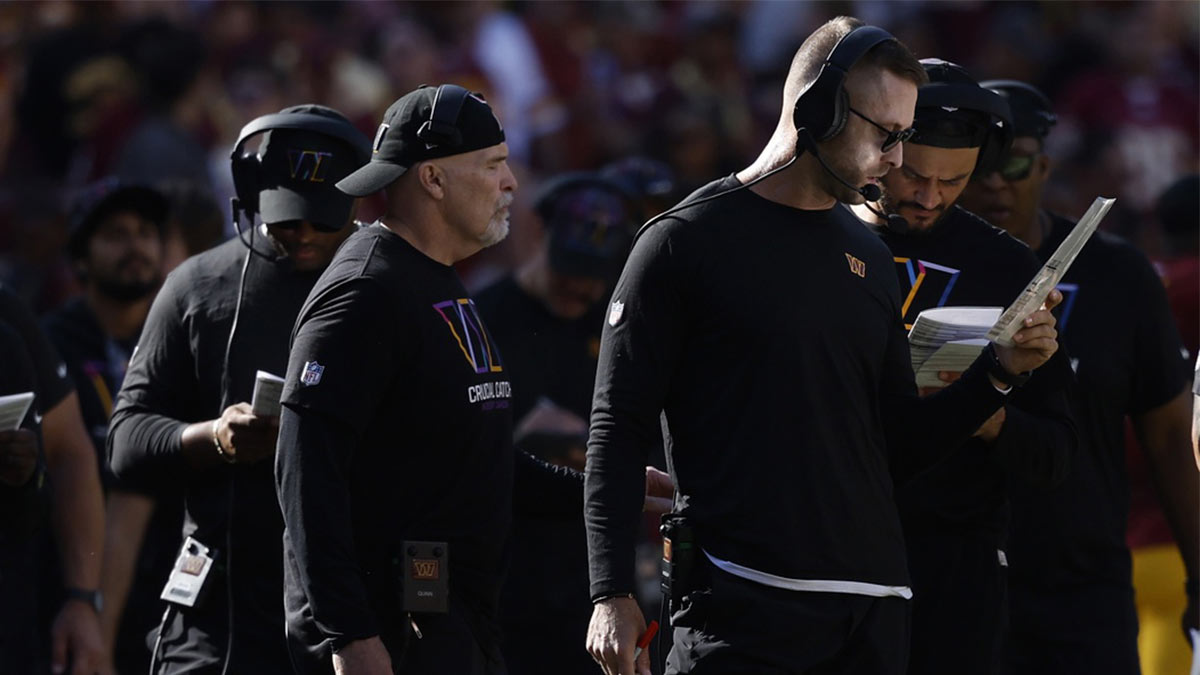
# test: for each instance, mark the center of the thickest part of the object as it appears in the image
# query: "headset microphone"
(870, 192)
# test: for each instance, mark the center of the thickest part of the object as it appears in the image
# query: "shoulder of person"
(995, 238)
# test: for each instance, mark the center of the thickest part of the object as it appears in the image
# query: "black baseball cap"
(300, 168)
(953, 111)
(105, 198)
(587, 217)
(409, 134)
(1031, 110)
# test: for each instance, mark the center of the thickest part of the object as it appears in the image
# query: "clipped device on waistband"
(185, 586)
(679, 557)
(425, 577)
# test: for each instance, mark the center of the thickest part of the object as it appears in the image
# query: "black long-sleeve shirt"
(396, 426)
(176, 377)
(772, 340)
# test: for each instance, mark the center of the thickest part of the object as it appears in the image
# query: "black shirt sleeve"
(145, 437)
(346, 348)
(1038, 441)
(636, 362)
(921, 431)
(50, 371)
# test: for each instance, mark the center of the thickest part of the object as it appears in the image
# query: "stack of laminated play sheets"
(948, 339)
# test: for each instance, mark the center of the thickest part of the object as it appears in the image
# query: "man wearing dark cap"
(1071, 597)
(955, 513)
(650, 182)
(395, 461)
(116, 244)
(184, 415)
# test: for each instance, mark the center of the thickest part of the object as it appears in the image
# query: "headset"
(823, 106)
(441, 130)
(1045, 117)
(247, 168)
(999, 135)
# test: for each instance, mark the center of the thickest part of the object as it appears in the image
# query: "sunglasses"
(293, 225)
(893, 137)
(1016, 167)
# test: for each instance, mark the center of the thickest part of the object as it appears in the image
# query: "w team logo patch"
(308, 165)
(467, 329)
(857, 266)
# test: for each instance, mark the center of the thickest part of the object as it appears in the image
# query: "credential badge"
(615, 314)
(312, 373)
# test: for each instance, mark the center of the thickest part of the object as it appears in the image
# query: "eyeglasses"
(1016, 167)
(293, 225)
(893, 137)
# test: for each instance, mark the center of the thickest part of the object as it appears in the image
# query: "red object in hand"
(644, 640)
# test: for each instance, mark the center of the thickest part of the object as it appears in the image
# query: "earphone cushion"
(244, 170)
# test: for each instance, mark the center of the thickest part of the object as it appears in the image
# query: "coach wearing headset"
(765, 325)
(183, 412)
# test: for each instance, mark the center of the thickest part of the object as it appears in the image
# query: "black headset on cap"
(245, 167)
(999, 135)
(441, 129)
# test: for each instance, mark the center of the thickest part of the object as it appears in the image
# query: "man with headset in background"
(786, 389)
(395, 461)
(1071, 594)
(955, 513)
(184, 412)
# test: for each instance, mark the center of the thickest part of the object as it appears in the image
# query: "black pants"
(741, 627)
(1090, 629)
(959, 605)
(449, 643)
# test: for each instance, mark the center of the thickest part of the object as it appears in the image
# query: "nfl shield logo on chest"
(312, 373)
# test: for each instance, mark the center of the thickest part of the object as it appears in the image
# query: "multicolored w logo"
(308, 165)
(467, 329)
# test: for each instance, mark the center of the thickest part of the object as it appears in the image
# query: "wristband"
(93, 599)
(610, 596)
(229, 459)
(997, 370)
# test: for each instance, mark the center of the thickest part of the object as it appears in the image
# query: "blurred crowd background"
(157, 91)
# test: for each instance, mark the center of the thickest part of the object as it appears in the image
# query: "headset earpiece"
(441, 129)
(824, 106)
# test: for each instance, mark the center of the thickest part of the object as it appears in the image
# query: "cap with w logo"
(300, 170)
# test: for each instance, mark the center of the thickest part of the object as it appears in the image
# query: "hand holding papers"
(18, 447)
(948, 339)
(1034, 295)
(268, 389)
(13, 409)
